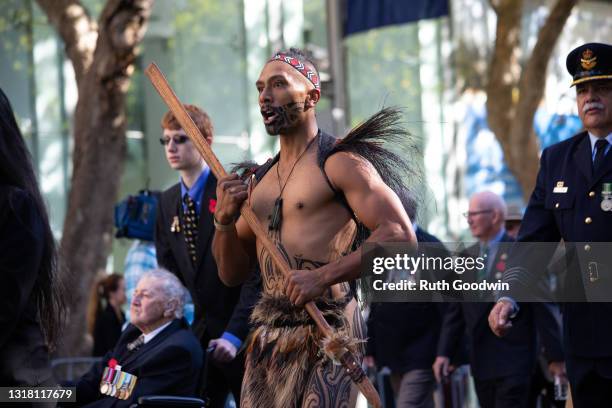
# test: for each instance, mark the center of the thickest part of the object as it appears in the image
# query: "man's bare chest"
(304, 194)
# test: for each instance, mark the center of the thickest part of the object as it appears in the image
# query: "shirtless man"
(315, 231)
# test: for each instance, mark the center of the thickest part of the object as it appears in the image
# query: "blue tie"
(600, 146)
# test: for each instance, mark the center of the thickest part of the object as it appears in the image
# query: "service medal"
(121, 385)
(117, 381)
(606, 193)
(106, 379)
(104, 388)
(133, 380)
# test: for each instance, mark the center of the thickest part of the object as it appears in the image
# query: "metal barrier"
(67, 365)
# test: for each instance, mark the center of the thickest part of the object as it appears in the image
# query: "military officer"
(571, 201)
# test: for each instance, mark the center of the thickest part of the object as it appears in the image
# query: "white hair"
(172, 288)
(493, 201)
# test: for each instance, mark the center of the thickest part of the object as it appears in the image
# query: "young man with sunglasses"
(184, 234)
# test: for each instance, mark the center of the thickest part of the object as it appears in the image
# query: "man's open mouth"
(268, 115)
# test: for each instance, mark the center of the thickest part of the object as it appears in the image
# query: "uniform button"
(591, 194)
(587, 247)
(557, 205)
(588, 220)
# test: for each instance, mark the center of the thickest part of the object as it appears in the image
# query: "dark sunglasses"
(180, 139)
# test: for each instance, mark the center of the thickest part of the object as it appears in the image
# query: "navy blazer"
(169, 364)
(215, 304)
(403, 336)
(575, 216)
(493, 357)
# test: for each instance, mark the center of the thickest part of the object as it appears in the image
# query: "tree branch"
(122, 28)
(522, 146)
(494, 6)
(77, 30)
(99, 143)
(533, 76)
(504, 69)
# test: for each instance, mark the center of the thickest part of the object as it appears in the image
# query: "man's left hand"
(224, 350)
(304, 285)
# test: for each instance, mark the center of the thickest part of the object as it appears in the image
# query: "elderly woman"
(156, 354)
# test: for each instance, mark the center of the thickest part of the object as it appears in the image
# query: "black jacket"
(493, 357)
(404, 336)
(216, 307)
(23, 354)
(169, 364)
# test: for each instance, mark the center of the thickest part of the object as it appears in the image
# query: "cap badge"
(588, 61)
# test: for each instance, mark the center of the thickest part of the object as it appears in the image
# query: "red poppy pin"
(500, 266)
(112, 363)
(212, 205)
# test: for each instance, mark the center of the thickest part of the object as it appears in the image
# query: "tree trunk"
(523, 144)
(103, 75)
(504, 69)
(512, 102)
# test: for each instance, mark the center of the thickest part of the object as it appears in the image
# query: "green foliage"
(209, 61)
(315, 22)
(383, 70)
(15, 31)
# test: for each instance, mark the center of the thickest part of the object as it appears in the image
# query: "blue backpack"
(135, 216)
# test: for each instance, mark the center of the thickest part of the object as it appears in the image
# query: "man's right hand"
(441, 368)
(499, 318)
(231, 192)
(224, 351)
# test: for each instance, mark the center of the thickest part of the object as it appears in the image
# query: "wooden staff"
(347, 359)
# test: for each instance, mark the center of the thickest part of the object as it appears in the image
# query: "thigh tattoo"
(328, 386)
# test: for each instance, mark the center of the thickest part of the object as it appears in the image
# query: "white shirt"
(148, 337)
(594, 139)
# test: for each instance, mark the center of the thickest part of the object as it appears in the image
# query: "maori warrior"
(319, 198)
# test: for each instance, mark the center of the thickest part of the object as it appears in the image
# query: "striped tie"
(134, 345)
(190, 227)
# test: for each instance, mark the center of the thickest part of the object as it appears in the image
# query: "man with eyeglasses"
(184, 231)
(502, 367)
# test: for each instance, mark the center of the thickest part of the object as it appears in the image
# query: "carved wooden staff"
(347, 359)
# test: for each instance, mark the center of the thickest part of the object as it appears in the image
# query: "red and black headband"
(309, 74)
